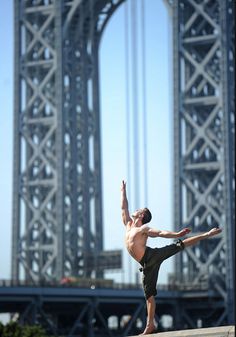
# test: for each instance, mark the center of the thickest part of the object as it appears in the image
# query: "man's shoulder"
(145, 228)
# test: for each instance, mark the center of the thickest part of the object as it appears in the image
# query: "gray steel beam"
(227, 11)
(203, 54)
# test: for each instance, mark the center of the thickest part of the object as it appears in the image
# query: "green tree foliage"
(1, 328)
(33, 331)
(13, 329)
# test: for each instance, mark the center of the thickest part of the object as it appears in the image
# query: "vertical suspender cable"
(128, 124)
(136, 161)
(91, 106)
(132, 128)
(128, 154)
(144, 113)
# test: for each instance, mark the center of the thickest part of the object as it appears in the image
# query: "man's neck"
(137, 223)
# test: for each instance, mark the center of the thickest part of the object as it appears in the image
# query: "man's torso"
(136, 239)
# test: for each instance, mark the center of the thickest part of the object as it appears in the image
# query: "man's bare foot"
(214, 231)
(150, 328)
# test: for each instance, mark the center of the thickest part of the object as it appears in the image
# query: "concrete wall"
(223, 331)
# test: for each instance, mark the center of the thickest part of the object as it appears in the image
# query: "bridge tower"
(204, 115)
(57, 212)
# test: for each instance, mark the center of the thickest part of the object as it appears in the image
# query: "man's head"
(143, 214)
(147, 216)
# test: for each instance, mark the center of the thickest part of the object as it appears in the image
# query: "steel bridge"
(103, 310)
(57, 206)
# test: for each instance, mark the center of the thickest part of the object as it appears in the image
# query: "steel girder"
(88, 313)
(57, 212)
(203, 56)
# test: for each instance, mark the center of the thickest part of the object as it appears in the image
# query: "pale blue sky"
(113, 121)
(6, 133)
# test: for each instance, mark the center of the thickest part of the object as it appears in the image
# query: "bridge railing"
(101, 283)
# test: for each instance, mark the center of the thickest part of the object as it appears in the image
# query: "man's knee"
(150, 299)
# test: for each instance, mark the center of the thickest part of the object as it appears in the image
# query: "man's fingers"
(186, 230)
(123, 186)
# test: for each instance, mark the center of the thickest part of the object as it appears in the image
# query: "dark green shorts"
(151, 262)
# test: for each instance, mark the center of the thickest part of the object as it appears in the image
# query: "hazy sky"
(113, 120)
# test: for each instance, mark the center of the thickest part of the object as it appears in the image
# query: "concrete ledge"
(222, 331)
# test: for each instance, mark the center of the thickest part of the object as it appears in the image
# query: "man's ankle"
(151, 323)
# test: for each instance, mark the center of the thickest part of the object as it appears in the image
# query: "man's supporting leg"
(195, 239)
(151, 309)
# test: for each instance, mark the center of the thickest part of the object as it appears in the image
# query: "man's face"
(138, 213)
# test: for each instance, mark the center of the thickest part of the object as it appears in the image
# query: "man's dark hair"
(147, 216)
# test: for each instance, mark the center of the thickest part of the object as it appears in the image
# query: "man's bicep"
(153, 233)
(125, 216)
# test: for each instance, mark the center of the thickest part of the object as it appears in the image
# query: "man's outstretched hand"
(123, 186)
(184, 232)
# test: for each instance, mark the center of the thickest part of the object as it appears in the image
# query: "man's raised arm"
(124, 204)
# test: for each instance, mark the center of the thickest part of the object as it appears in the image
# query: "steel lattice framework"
(57, 161)
(57, 212)
(203, 35)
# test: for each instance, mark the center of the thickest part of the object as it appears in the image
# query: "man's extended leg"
(151, 304)
(151, 308)
(195, 239)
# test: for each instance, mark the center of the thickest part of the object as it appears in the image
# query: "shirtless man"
(137, 233)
